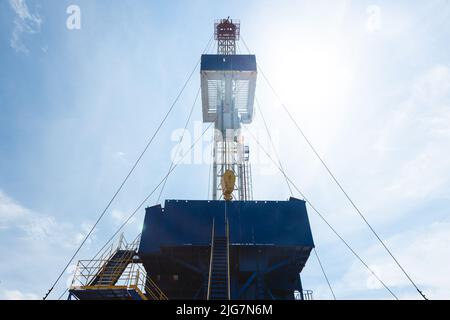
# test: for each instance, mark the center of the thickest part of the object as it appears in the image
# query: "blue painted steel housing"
(270, 242)
(217, 62)
(281, 223)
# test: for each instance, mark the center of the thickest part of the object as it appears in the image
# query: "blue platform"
(279, 223)
(216, 62)
(269, 244)
(234, 75)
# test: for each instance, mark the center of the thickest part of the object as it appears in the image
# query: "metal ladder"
(219, 275)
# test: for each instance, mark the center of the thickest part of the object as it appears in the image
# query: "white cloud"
(373, 22)
(18, 295)
(36, 226)
(119, 217)
(14, 215)
(403, 183)
(29, 238)
(24, 23)
(85, 228)
(406, 166)
(121, 157)
(424, 254)
(10, 211)
(419, 135)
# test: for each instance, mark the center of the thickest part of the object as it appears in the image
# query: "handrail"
(122, 245)
(115, 272)
(211, 260)
(308, 295)
(133, 276)
(228, 256)
(88, 270)
(113, 247)
(160, 294)
(108, 252)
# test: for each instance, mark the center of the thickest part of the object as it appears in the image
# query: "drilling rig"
(229, 247)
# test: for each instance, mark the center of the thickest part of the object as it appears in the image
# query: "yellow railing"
(136, 278)
(133, 276)
(88, 270)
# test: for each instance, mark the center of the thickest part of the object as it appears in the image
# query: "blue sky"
(368, 80)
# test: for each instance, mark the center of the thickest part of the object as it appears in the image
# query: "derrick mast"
(212, 249)
(228, 83)
(226, 32)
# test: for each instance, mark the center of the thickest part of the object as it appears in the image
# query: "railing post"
(137, 278)
(210, 260)
(74, 275)
(120, 241)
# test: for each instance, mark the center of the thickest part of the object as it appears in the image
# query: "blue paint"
(279, 223)
(216, 62)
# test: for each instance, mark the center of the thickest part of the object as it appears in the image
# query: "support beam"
(247, 284)
(277, 266)
(187, 265)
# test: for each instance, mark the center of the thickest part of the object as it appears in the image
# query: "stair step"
(219, 269)
(114, 267)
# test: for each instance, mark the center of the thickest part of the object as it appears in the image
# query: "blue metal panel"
(281, 223)
(213, 62)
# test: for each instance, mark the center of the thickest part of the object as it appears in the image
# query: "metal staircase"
(114, 268)
(114, 275)
(219, 278)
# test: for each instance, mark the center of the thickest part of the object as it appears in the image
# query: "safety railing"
(135, 277)
(304, 295)
(308, 295)
(123, 273)
(152, 289)
(88, 270)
